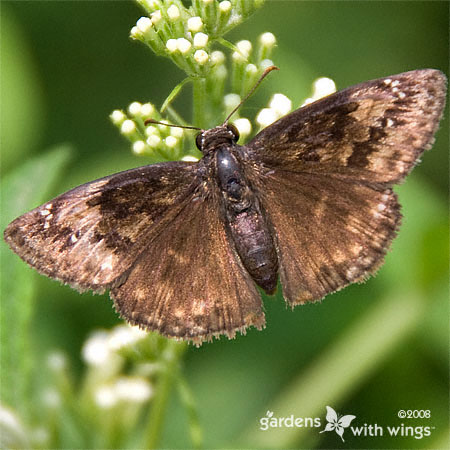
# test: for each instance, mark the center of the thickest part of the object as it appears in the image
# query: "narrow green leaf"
(21, 190)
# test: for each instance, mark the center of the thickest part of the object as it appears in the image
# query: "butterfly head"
(209, 140)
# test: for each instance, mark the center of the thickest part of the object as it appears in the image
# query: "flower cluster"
(185, 34)
(123, 368)
(159, 140)
(247, 64)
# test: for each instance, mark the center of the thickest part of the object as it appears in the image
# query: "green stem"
(187, 398)
(199, 115)
(171, 357)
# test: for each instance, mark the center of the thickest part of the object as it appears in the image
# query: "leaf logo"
(269, 413)
(337, 423)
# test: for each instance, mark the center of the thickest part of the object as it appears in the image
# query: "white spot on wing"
(107, 264)
(351, 273)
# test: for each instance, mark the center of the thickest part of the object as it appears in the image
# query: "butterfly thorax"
(210, 140)
(245, 220)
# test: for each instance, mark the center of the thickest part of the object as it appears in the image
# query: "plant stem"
(171, 357)
(199, 99)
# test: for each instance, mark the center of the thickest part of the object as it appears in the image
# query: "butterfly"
(182, 246)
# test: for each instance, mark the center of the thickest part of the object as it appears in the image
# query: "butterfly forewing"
(373, 132)
(90, 236)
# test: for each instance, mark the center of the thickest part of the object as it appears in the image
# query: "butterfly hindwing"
(329, 232)
(373, 132)
(90, 236)
(190, 283)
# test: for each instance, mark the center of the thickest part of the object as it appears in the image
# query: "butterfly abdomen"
(245, 222)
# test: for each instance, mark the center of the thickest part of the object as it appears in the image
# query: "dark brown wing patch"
(373, 132)
(190, 283)
(90, 236)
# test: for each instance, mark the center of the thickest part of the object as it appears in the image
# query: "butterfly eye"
(198, 141)
(233, 130)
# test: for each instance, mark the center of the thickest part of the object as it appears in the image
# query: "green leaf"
(21, 190)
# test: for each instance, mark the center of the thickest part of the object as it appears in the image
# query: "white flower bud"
(243, 125)
(135, 33)
(156, 17)
(171, 141)
(171, 45)
(125, 335)
(183, 45)
(195, 24)
(117, 116)
(135, 108)
(144, 24)
(245, 47)
(138, 147)
(323, 86)
(173, 12)
(201, 57)
(128, 127)
(151, 130)
(265, 117)
(200, 40)
(153, 140)
(265, 63)
(177, 132)
(105, 397)
(238, 56)
(281, 104)
(225, 6)
(147, 109)
(231, 101)
(217, 57)
(251, 69)
(133, 389)
(95, 350)
(267, 39)
(163, 128)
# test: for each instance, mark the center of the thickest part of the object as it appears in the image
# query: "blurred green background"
(369, 350)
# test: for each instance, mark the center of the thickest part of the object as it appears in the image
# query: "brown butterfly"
(182, 246)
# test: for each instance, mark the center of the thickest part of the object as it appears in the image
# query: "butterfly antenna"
(171, 125)
(264, 74)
